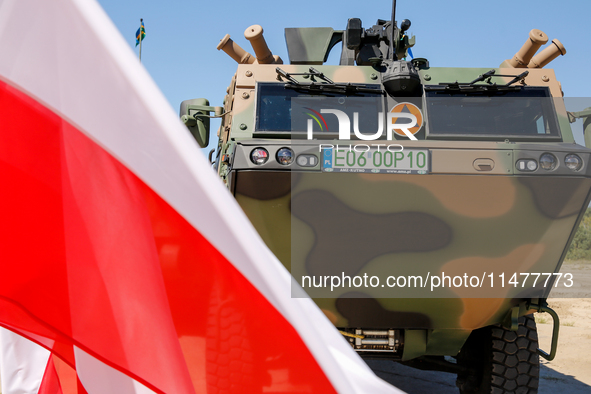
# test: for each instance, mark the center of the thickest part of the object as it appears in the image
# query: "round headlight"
(548, 161)
(259, 156)
(573, 162)
(284, 156)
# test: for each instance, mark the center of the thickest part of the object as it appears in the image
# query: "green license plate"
(408, 161)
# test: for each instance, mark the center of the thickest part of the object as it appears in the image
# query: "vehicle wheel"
(500, 361)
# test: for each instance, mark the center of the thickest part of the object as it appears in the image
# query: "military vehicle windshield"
(524, 114)
(280, 110)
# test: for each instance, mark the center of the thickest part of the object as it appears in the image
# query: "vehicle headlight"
(548, 161)
(573, 162)
(284, 156)
(259, 156)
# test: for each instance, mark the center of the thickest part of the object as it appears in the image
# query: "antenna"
(393, 27)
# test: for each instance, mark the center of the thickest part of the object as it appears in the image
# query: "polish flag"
(121, 252)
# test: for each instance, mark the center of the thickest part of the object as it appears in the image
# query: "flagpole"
(141, 22)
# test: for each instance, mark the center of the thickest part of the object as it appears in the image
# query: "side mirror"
(195, 115)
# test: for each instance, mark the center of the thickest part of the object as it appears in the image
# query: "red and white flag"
(121, 252)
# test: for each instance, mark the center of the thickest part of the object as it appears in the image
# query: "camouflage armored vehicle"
(439, 234)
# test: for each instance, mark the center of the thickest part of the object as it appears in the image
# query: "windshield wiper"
(327, 86)
(472, 86)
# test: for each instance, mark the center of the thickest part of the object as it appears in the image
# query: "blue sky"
(180, 53)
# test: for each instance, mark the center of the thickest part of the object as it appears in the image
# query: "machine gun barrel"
(392, 55)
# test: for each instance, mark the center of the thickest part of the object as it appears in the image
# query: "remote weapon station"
(426, 210)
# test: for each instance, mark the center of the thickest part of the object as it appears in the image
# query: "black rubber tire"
(500, 361)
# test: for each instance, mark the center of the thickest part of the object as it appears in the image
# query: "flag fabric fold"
(22, 364)
(50, 383)
(123, 254)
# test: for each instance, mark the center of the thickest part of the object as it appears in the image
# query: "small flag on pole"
(140, 33)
